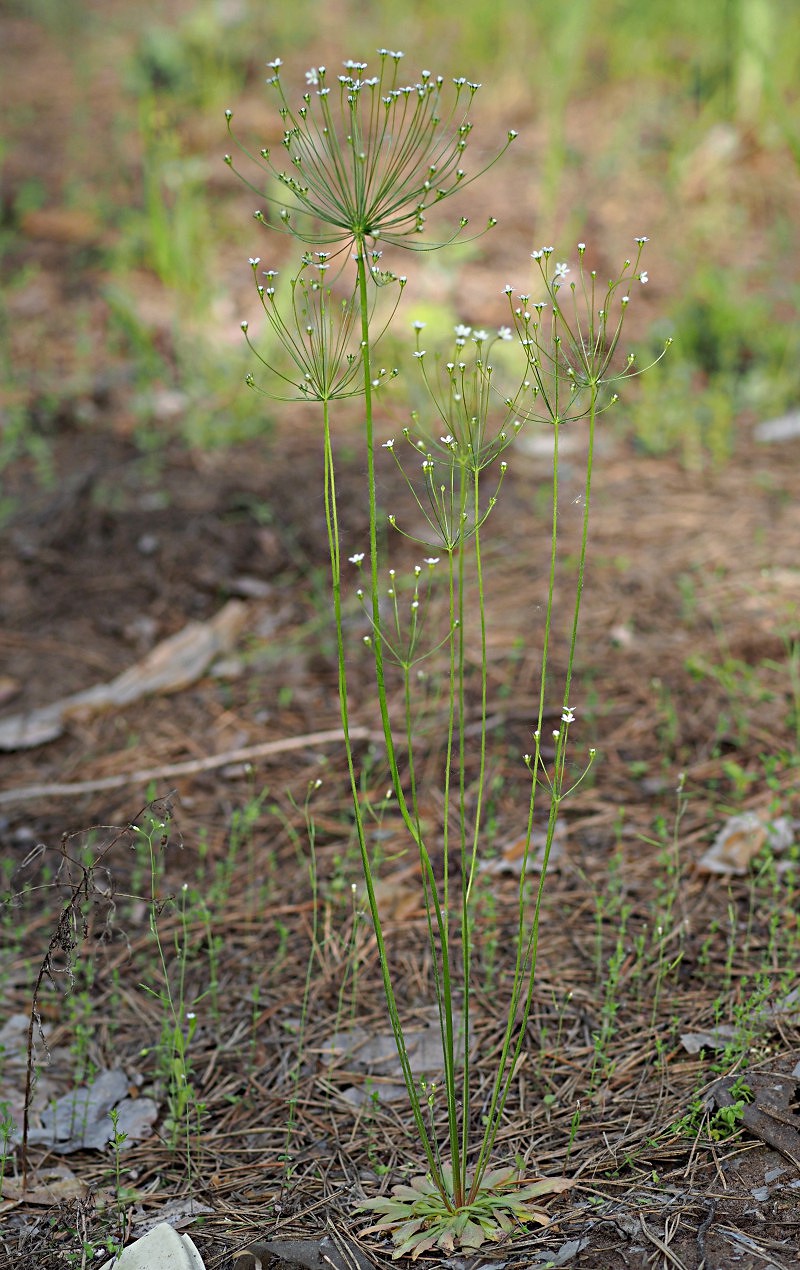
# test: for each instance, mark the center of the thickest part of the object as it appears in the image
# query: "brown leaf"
(49, 1185)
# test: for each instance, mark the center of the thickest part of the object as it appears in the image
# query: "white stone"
(162, 1248)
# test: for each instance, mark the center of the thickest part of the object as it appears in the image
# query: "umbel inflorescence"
(366, 156)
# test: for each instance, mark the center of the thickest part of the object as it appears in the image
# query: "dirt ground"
(687, 672)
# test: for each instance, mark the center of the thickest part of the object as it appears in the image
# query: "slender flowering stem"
(365, 158)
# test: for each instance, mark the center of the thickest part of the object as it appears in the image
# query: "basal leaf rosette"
(420, 1219)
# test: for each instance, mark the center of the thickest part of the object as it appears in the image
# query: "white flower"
(561, 270)
(431, 560)
(419, 326)
(312, 78)
(504, 333)
(644, 277)
(581, 246)
(357, 558)
(274, 66)
(420, 352)
(568, 715)
(480, 335)
(448, 440)
(388, 445)
(641, 241)
(255, 260)
(462, 332)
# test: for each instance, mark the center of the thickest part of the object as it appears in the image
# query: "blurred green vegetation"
(682, 112)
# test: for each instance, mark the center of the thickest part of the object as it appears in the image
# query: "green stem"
(334, 546)
(584, 541)
(525, 966)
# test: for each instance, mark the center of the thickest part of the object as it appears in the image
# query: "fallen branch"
(188, 768)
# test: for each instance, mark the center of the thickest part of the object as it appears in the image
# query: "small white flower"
(507, 289)
(419, 326)
(568, 715)
(420, 352)
(357, 558)
(644, 277)
(504, 333)
(581, 246)
(641, 241)
(312, 78)
(255, 260)
(431, 560)
(388, 445)
(274, 66)
(561, 270)
(448, 440)
(462, 331)
(480, 335)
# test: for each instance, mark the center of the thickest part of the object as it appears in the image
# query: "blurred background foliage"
(124, 239)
